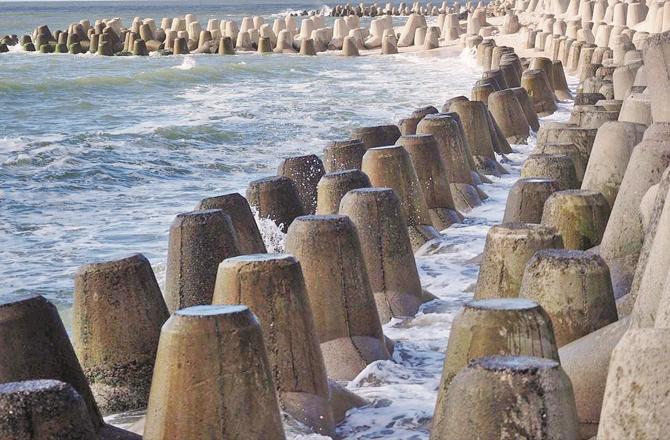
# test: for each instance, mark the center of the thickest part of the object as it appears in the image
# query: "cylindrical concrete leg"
(378, 135)
(36, 346)
(537, 85)
(553, 166)
(524, 101)
(387, 251)
(432, 176)
(391, 167)
(473, 117)
(563, 133)
(586, 362)
(272, 285)
(249, 239)
(525, 201)
(210, 360)
(574, 288)
(305, 172)
(43, 409)
(118, 312)
(570, 150)
(508, 249)
(307, 47)
(637, 388)
(624, 236)
(345, 314)
(501, 396)
(609, 157)
(275, 198)
(451, 144)
(198, 242)
(509, 115)
(333, 186)
(226, 46)
(580, 216)
(561, 88)
(343, 155)
(514, 327)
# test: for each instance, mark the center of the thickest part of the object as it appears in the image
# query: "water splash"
(188, 64)
(273, 237)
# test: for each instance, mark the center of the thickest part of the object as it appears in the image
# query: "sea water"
(97, 156)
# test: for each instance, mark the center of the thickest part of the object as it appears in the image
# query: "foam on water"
(98, 155)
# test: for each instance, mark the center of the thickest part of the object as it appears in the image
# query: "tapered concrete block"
(636, 108)
(343, 155)
(508, 397)
(305, 172)
(347, 322)
(349, 48)
(510, 327)
(510, 116)
(307, 47)
(500, 144)
(333, 186)
(275, 198)
(545, 64)
(198, 242)
(657, 66)
(377, 136)
(570, 150)
(574, 288)
(432, 176)
(525, 201)
(226, 46)
(473, 116)
(586, 361)
(539, 89)
(249, 239)
(508, 249)
(408, 125)
(180, 46)
(391, 167)
(651, 273)
(554, 166)
(272, 285)
(624, 235)
(264, 45)
(224, 350)
(36, 346)
(451, 143)
(563, 133)
(561, 89)
(117, 315)
(387, 251)
(498, 76)
(512, 76)
(611, 152)
(481, 92)
(529, 112)
(43, 409)
(626, 304)
(580, 216)
(636, 392)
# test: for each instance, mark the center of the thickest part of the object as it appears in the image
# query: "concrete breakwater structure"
(566, 337)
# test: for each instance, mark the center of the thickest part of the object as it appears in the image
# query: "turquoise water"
(97, 155)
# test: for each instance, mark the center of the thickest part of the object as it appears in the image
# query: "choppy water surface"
(97, 155)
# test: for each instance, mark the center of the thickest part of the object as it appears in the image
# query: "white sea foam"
(188, 63)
